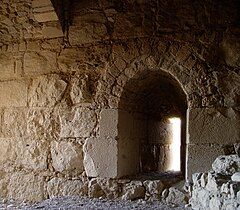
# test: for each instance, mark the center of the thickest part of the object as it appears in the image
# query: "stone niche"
(140, 136)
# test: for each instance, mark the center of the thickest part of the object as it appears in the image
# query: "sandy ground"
(91, 204)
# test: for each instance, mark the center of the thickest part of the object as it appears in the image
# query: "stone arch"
(145, 134)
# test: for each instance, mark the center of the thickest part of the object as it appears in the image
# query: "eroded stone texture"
(59, 93)
(67, 156)
(46, 91)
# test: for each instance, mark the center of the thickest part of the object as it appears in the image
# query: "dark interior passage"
(152, 125)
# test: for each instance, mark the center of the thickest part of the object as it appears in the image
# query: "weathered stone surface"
(13, 93)
(64, 187)
(41, 62)
(67, 156)
(133, 190)
(43, 122)
(77, 122)
(175, 196)
(236, 177)
(100, 157)
(226, 165)
(32, 154)
(7, 153)
(153, 187)
(94, 189)
(46, 91)
(7, 67)
(14, 122)
(211, 125)
(110, 187)
(80, 90)
(26, 186)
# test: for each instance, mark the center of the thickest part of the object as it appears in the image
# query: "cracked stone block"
(67, 156)
(46, 91)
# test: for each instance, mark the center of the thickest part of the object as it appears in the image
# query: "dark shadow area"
(145, 131)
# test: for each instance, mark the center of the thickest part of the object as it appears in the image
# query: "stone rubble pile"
(218, 189)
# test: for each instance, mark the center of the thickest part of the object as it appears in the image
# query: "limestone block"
(40, 62)
(14, 122)
(108, 123)
(67, 156)
(4, 180)
(78, 122)
(43, 123)
(64, 187)
(196, 159)
(100, 157)
(52, 32)
(153, 186)
(32, 153)
(13, 93)
(46, 16)
(175, 196)
(26, 187)
(46, 91)
(133, 190)
(209, 125)
(7, 153)
(236, 177)
(41, 3)
(226, 164)
(88, 28)
(80, 91)
(7, 67)
(110, 187)
(94, 189)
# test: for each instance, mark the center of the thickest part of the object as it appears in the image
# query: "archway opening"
(151, 126)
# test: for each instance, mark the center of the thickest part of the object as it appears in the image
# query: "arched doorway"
(152, 125)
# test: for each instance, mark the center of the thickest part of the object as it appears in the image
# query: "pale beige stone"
(209, 125)
(64, 187)
(100, 157)
(32, 154)
(14, 122)
(94, 189)
(133, 190)
(13, 93)
(41, 3)
(80, 91)
(78, 122)
(7, 153)
(43, 123)
(7, 67)
(36, 63)
(46, 16)
(67, 156)
(46, 91)
(26, 187)
(52, 32)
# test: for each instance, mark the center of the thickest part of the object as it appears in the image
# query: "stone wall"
(54, 86)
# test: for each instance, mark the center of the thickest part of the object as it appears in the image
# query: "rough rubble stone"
(133, 190)
(175, 196)
(236, 177)
(226, 165)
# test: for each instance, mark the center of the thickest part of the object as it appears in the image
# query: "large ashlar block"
(67, 156)
(77, 122)
(100, 157)
(37, 63)
(26, 186)
(64, 187)
(200, 157)
(7, 67)
(13, 93)
(209, 125)
(46, 91)
(7, 153)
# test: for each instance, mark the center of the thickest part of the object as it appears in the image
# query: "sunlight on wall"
(175, 160)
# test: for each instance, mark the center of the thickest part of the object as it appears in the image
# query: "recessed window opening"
(151, 135)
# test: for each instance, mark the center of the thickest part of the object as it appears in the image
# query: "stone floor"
(72, 203)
